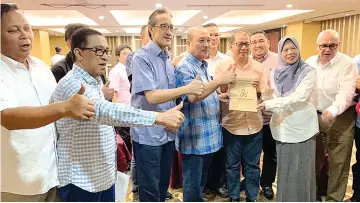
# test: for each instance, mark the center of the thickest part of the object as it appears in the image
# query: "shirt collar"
(14, 65)
(86, 76)
(192, 59)
(156, 50)
(247, 65)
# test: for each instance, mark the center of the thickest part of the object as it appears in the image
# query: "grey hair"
(152, 18)
(232, 39)
(332, 32)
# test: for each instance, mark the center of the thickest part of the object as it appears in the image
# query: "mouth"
(26, 47)
(291, 57)
(103, 65)
(167, 38)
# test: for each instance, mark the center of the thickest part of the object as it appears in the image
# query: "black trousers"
(269, 159)
(216, 173)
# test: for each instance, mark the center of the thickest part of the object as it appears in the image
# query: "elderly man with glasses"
(242, 130)
(336, 76)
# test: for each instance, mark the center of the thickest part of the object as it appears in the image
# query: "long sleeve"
(344, 98)
(116, 114)
(295, 99)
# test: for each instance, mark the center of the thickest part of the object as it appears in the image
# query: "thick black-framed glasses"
(331, 46)
(166, 27)
(98, 51)
(241, 44)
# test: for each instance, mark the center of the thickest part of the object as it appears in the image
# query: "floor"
(177, 193)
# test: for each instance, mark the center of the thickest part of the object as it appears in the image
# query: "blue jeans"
(153, 168)
(72, 193)
(248, 148)
(194, 170)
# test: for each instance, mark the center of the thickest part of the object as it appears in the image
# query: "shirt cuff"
(333, 110)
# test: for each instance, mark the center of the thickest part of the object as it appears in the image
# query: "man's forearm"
(162, 96)
(27, 117)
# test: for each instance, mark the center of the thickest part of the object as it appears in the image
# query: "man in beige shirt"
(260, 45)
(242, 131)
(336, 75)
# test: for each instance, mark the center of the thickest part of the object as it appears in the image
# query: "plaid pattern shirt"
(87, 149)
(201, 131)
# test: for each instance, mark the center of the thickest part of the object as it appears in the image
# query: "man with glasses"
(200, 136)
(87, 149)
(62, 67)
(336, 75)
(242, 131)
(154, 88)
(29, 169)
(260, 52)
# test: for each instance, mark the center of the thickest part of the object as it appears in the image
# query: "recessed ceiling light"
(347, 14)
(289, 5)
(158, 5)
(117, 31)
(283, 25)
(101, 17)
(205, 17)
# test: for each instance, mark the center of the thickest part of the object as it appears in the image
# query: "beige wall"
(58, 41)
(349, 30)
(41, 46)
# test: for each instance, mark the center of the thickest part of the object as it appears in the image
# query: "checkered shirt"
(87, 149)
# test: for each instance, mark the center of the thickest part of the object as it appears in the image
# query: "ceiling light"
(117, 31)
(283, 25)
(158, 5)
(347, 14)
(101, 17)
(289, 5)
(205, 17)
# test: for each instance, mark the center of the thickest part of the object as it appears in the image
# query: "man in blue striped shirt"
(87, 149)
(200, 135)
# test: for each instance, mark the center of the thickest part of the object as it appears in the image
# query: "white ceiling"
(125, 17)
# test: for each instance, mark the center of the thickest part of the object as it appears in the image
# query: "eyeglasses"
(241, 44)
(331, 46)
(98, 51)
(166, 27)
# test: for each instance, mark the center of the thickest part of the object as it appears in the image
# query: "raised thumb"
(197, 76)
(82, 89)
(180, 106)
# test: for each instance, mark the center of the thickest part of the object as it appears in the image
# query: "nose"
(23, 34)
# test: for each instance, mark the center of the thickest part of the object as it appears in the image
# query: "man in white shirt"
(28, 137)
(215, 55)
(58, 56)
(216, 175)
(336, 75)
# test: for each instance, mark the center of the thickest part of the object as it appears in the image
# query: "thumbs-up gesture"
(79, 107)
(196, 86)
(171, 119)
(107, 91)
(229, 76)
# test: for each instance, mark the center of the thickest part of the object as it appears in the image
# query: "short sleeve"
(7, 97)
(143, 75)
(184, 76)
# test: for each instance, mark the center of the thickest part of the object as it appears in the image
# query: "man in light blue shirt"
(154, 88)
(200, 135)
(87, 149)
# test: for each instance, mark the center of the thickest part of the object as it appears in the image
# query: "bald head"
(327, 34)
(193, 31)
(328, 42)
(198, 42)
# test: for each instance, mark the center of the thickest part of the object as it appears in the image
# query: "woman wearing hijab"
(294, 124)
